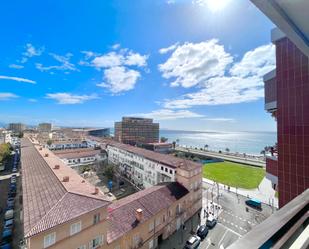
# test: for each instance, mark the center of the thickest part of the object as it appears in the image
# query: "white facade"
(143, 172)
(82, 161)
(67, 145)
(5, 137)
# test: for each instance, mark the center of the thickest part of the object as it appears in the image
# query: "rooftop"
(122, 213)
(76, 153)
(49, 199)
(169, 160)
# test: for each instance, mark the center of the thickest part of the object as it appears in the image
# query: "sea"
(242, 142)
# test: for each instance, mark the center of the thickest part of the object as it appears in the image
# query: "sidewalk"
(265, 193)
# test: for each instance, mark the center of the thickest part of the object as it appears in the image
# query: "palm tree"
(206, 147)
(227, 150)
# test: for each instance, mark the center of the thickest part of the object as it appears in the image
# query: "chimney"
(66, 179)
(40, 148)
(139, 214)
(96, 191)
(46, 155)
(57, 166)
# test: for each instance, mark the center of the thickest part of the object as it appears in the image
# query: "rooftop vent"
(57, 166)
(46, 155)
(139, 214)
(96, 191)
(66, 179)
(40, 148)
(83, 181)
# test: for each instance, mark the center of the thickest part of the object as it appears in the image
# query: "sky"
(188, 64)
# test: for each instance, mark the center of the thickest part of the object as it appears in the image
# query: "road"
(231, 158)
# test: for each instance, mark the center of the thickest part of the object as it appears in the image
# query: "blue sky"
(195, 64)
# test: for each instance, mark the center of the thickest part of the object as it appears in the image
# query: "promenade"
(227, 157)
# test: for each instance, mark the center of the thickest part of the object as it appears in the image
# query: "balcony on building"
(272, 169)
(270, 91)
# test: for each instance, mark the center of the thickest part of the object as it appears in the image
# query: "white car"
(193, 242)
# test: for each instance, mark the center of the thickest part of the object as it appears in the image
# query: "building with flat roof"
(80, 157)
(45, 127)
(136, 131)
(287, 97)
(16, 127)
(63, 210)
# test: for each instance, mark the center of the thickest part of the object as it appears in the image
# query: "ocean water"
(242, 142)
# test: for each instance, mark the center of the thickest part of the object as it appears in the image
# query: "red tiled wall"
(272, 166)
(292, 75)
(270, 90)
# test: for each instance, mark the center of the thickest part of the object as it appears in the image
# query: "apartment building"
(5, 136)
(60, 209)
(287, 99)
(80, 157)
(63, 210)
(147, 168)
(45, 127)
(64, 145)
(16, 127)
(136, 131)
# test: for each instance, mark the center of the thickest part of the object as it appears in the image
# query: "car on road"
(9, 214)
(10, 201)
(6, 235)
(193, 242)
(255, 203)
(202, 232)
(9, 224)
(14, 170)
(211, 222)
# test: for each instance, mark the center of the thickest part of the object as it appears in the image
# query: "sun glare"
(216, 5)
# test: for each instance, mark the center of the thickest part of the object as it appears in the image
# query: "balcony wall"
(272, 165)
(270, 89)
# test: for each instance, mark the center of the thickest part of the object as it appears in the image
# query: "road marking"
(239, 235)
(219, 243)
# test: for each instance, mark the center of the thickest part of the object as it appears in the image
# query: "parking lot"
(6, 186)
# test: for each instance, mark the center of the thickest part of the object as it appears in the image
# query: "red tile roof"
(151, 201)
(169, 160)
(76, 153)
(47, 200)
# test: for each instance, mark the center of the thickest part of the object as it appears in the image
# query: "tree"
(163, 139)
(227, 150)
(109, 172)
(49, 142)
(174, 144)
(177, 140)
(206, 146)
(21, 135)
(5, 151)
(263, 152)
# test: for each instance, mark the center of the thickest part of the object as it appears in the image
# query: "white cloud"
(31, 51)
(242, 83)
(116, 46)
(7, 96)
(168, 49)
(68, 98)
(65, 65)
(193, 63)
(15, 66)
(166, 114)
(120, 68)
(32, 100)
(171, 1)
(257, 62)
(2, 77)
(119, 79)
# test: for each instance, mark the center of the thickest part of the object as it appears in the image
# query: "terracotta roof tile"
(151, 201)
(44, 192)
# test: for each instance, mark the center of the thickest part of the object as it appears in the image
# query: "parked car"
(255, 203)
(211, 222)
(9, 224)
(9, 214)
(193, 242)
(6, 235)
(202, 232)
(5, 245)
(14, 170)
(10, 200)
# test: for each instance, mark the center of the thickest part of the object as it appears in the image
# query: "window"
(166, 169)
(49, 240)
(151, 244)
(76, 228)
(136, 240)
(96, 218)
(158, 221)
(161, 168)
(151, 226)
(81, 247)
(96, 242)
(171, 172)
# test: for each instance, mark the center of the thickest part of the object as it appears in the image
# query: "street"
(234, 220)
